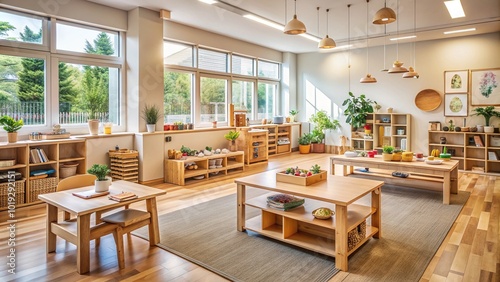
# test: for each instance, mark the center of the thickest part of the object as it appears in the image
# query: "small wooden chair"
(127, 220)
(72, 182)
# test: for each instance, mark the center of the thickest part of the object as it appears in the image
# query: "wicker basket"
(4, 193)
(41, 186)
(67, 170)
(356, 235)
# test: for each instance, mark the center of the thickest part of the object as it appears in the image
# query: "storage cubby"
(177, 171)
(473, 150)
(392, 129)
(254, 144)
(58, 152)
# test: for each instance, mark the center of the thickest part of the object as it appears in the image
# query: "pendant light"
(368, 78)
(384, 15)
(397, 66)
(411, 72)
(295, 26)
(327, 42)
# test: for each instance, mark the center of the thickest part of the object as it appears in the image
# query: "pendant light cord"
(414, 33)
(397, 41)
(367, 40)
(317, 8)
(349, 42)
(327, 10)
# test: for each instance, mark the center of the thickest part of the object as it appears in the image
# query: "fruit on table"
(435, 153)
(323, 212)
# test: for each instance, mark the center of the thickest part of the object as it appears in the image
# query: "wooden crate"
(124, 164)
(300, 180)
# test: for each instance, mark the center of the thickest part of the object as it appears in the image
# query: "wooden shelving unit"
(124, 165)
(176, 171)
(278, 138)
(392, 129)
(59, 152)
(254, 143)
(462, 147)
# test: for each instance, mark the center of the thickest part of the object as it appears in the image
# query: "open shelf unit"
(254, 143)
(392, 129)
(278, 139)
(482, 155)
(176, 171)
(58, 152)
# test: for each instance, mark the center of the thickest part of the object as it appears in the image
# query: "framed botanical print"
(455, 105)
(456, 81)
(485, 88)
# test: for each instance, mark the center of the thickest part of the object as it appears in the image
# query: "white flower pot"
(103, 185)
(93, 126)
(151, 127)
(489, 129)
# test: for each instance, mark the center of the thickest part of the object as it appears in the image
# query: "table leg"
(332, 168)
(341, 237)
(454, 181)
(51, 237)
(377, 216)
(344, 170)
(240, 218)
(83, 244)
(154, 232)
(446, 188)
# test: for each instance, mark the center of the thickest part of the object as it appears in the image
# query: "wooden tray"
(428, 100)
(55, 136)
(301, 180)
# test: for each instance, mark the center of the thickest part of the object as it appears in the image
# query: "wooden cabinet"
(278, 137)
(254, 143)
(55, 154)
(208, 167)
(475, 151)
(392, 129)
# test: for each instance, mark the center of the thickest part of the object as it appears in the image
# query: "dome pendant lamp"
(295, 26)
(397, 66)
(384, 15)
(411, 72)
(327, 42)
(368, 78)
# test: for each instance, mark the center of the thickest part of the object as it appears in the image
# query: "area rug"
(414, 223)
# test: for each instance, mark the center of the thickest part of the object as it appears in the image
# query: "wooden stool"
(127, 221)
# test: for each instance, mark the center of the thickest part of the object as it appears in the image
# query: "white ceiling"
(432, 19)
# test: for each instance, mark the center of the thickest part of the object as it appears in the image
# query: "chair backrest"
(76, 181)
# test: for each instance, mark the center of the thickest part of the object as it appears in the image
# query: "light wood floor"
(470, 252)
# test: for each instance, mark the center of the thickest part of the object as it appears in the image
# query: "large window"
(266, 103)
(200, 83)
(82, 39)
(82, 78)
(22, 88)
(213, 98)
(178, 91)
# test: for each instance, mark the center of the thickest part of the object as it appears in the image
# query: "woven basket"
(41, 186)
(356, 235)
(4, 193)
(67, 170)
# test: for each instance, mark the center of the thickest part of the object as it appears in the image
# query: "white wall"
(329, 73)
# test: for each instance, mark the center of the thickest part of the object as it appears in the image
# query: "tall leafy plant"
(357, 109)
(487, 113)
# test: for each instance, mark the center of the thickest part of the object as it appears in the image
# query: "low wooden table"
(445, 173)
(299, 227)
(83, 208)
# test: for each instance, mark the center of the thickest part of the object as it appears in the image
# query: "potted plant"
(387, 152)
(11, 125)
(94, 103)
(487, 113)
(231, 136)
(151, 114)
(305, 143)
(322, 123)
(357, 109)
(100, 171)
(293, 113)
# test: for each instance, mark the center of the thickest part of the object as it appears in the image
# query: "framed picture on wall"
(456, 81)
(455, 105)
(485, 87)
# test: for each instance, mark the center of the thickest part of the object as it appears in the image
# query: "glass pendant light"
(411, 72)
(294, 26)
(368, 78)
(384, 15)
(327, 42)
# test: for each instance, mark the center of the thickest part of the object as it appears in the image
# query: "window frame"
(197, 119)
(193, 87)
(46, 30)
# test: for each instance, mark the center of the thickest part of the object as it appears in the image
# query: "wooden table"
(299, 227)
(83, 208)
(445, 173)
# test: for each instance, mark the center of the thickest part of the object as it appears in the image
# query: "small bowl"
(323, 217)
